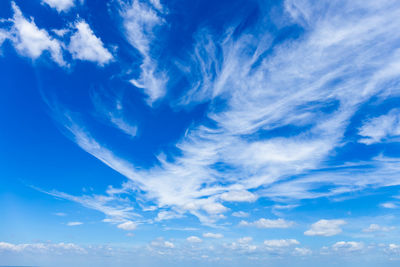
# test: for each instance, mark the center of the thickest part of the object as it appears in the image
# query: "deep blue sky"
(201, 133)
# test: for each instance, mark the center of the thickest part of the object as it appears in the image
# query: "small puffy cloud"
(267, 223)
(30, 41)
(389, 205)
(127, 226)
(280, 243)
(61, 214)
(348, 246)
(238, 196)
(74, 223)
(161, 243)
(240, 214)
(325, 228)
(42, 248)
(377, 228)
(302, 251)
(194, 239)
(213, 235)
(380, 128)
(85, 45)
(60, 5)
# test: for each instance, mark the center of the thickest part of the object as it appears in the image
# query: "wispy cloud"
(140, 20)
(314, 85)
(74, 223)
(268, 223)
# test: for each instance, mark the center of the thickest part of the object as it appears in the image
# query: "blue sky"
(201, 133)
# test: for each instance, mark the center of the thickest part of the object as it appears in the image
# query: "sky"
(199, 133)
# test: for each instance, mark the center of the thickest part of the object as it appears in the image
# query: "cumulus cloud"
(194, 239)
(325, 228)
(60, 5)
(85, 45)
(213, 235)
(42, 248)
(238, 196)
(268, 223)
(381, 128)
(377, 228)
(389, 205)
(161, 243)
(240, 214)
(279, 243)
(128, 226)
(30, 41)
(302, 251)
(348, 246)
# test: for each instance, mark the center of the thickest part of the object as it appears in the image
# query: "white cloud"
(42, 248)
(167, 215)
(381, 128)
(339, 53)
(85, 45)
(74, 223)
(60, 5)
(213, 235)
(61, 214)
(325, 228)
(127, 226)
(377, 228)
(389, 205)
(32, 42)
(267, 223)
(161, 243)
(279, 243)
(194, 239)
(240, 214)
(140, 21)
(238, 196)
(302, 251)
(349, 246)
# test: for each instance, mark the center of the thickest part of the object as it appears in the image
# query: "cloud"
(140, 21)
(213, 235)
(74, 223)
(267, 223)
(61, 214)
(325, 228)
(280, 243)
(349, 246)
(30, 41)
(194, 239)
(377, 228)
(42, 248)
(238, 196)
(85, 45)
(381, 128)
(127, 226)
(60, 5)
(310, 85)
(161, 243)
(302, 251)
(389, 205)
(240, 214)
